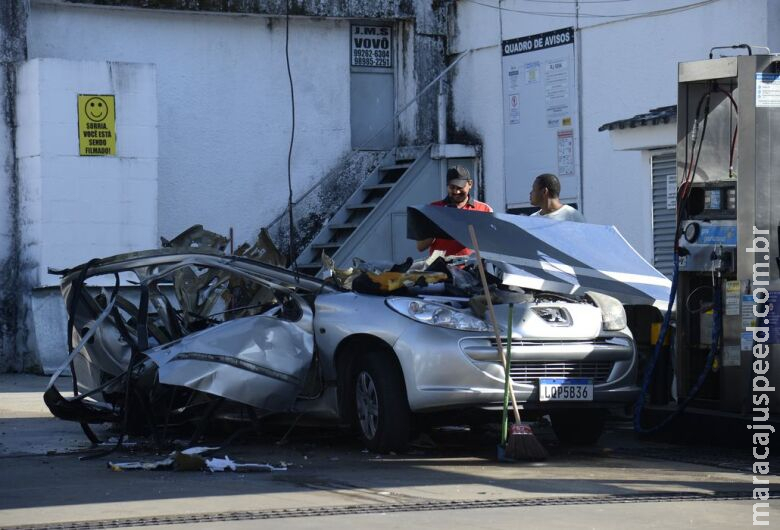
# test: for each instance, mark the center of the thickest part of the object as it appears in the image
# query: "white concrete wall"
(13, 356)
(405, 82)
(772, 25)
(476, 91)
(7, 183)
(72, 207)
(628, 67)
(223, 103)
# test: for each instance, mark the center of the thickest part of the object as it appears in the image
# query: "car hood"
(558, 256)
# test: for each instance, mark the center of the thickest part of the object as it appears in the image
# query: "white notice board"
(540, 114)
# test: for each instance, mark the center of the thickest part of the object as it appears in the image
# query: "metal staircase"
(363, 206)
(372, 223)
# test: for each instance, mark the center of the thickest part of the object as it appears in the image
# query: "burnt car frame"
(196, 334)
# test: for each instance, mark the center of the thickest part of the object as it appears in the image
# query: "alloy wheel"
(367, 404)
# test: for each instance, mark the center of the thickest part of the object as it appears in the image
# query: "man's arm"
(424, 244)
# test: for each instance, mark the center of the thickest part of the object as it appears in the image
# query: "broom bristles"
(523, 444)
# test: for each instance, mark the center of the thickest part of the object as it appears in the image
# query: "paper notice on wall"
(514, 109)
(532, 72)
(556, 88)
(513, 78)
(732, 298)
(767, 90)
(565, 153)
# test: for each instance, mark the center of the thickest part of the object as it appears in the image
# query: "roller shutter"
(664, 203)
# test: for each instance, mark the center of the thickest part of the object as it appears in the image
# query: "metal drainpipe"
(580, 140)
(442, 101)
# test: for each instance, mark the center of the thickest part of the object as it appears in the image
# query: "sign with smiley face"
(97, 125)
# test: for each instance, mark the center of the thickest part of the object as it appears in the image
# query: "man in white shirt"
(544, 195)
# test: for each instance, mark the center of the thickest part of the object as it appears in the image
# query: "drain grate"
(724, 458)
(389, 508)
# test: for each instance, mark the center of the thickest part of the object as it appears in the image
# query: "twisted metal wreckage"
(156, 374)
(200, 333)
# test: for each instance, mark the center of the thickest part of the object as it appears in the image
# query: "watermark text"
(760, 426)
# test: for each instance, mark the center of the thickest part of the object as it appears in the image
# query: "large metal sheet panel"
(540, 253)
(372, 96)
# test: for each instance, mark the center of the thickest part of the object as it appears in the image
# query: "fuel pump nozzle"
(716, 256)
(722, 261)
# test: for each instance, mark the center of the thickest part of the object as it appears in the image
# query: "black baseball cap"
(458, 176)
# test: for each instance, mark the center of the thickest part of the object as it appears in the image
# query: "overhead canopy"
(539, 253)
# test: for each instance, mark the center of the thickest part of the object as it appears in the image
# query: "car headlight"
(613, 314)
(437, 315)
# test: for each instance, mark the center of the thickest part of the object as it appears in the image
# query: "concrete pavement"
(43, 482)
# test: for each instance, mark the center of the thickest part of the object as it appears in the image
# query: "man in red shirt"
(459, 184)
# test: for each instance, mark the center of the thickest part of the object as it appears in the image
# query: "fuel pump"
(728, 206)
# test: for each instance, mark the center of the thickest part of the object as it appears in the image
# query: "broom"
(505, 412)
(521, 443)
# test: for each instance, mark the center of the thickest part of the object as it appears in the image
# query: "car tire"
(382, 415)
(578, 427)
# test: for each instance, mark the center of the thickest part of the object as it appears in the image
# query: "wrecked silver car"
(190, 333)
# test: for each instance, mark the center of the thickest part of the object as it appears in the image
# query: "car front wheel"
(382, 411)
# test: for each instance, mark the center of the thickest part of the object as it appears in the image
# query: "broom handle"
(499, 343)
(505, 415)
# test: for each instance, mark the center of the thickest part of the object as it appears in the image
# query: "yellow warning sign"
(97, 125)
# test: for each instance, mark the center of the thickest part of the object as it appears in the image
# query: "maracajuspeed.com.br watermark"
(760, 426)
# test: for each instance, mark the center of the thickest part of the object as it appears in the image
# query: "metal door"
(372, 87)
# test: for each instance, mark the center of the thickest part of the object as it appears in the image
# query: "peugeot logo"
(555, 316)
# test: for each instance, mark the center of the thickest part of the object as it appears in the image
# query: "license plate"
(565, 389)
